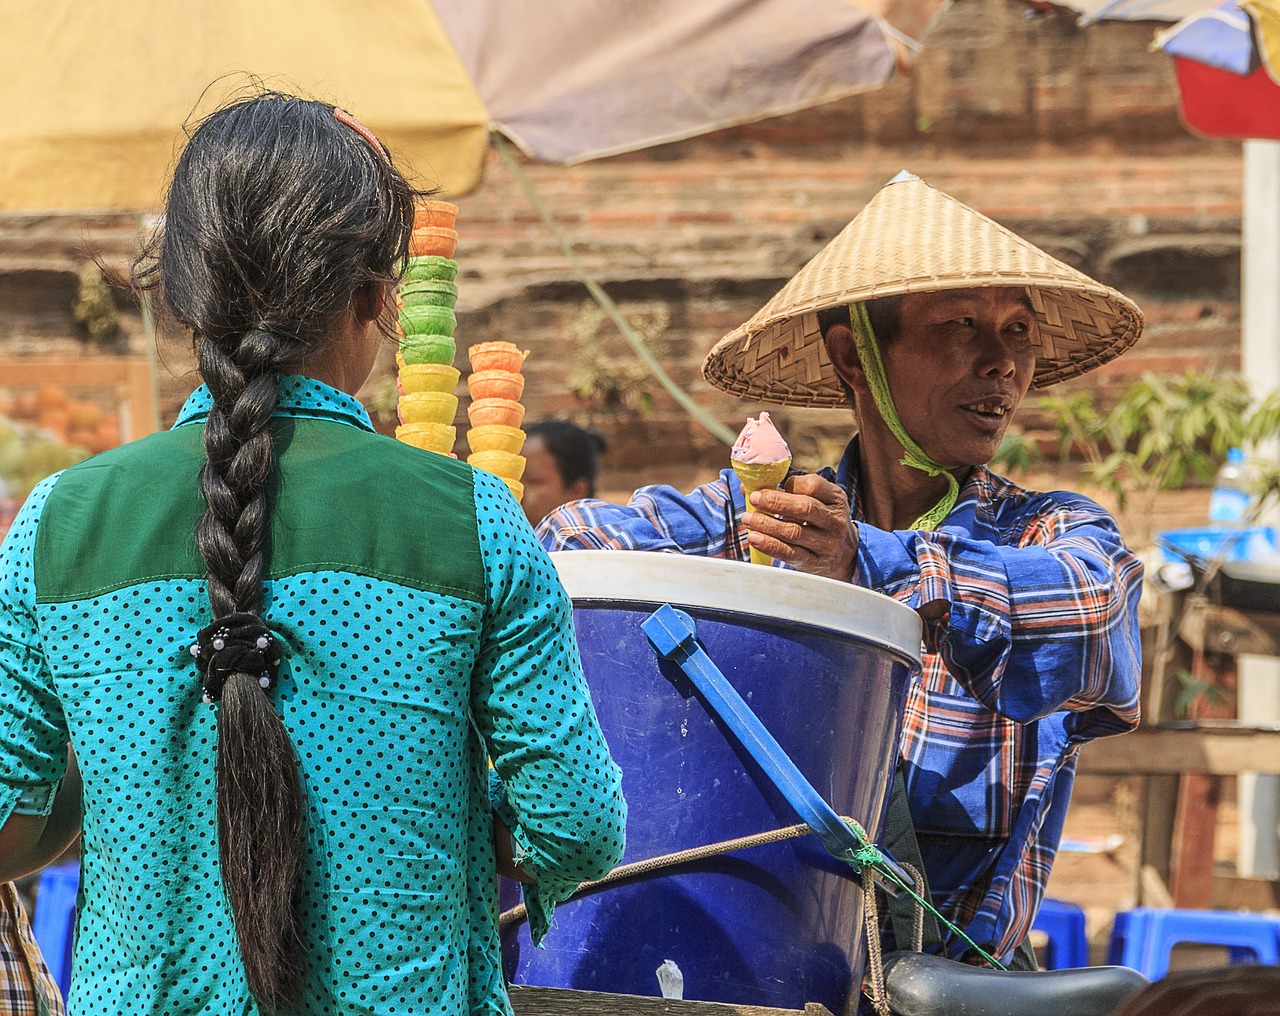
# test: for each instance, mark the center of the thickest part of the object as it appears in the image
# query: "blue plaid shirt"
(1036, 653)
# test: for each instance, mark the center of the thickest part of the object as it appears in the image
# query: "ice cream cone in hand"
(760, 476)
(760, 458)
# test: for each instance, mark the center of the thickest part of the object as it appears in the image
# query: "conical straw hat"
(912, 238)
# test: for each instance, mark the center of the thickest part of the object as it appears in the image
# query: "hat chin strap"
(915, 457)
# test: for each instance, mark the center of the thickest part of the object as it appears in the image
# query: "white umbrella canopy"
(95, 93)
(1132, 10)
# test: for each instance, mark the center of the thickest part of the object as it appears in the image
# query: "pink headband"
(363, 131)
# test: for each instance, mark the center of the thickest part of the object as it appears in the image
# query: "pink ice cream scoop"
(760, 441)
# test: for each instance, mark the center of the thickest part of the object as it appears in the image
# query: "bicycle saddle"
(920, 984)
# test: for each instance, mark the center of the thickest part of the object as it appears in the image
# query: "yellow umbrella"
(1266, 26)
(94, 92)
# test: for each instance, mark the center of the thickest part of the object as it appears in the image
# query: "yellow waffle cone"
(495, 437)
(428, 407)
(432, 437)
(516, 487)
(503, 464)
(428, 377)
(759, 476)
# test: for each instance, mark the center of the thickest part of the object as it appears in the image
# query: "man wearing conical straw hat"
(933, 322)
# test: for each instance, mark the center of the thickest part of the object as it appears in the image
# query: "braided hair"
(278, 214)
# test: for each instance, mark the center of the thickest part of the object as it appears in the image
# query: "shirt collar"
(299, 397)
(978, 480)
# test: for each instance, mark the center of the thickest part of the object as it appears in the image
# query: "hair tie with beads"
(235, 644)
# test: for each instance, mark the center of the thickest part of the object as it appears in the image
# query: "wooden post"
(530, 1001)
(1192, 860)
(1164, 657)
(1214, 666)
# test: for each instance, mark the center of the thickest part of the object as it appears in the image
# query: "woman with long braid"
(283, 647)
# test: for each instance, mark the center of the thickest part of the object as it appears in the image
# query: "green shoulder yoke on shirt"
(128, 516)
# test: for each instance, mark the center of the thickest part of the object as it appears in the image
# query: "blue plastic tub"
(826, 666)
(1247, 543)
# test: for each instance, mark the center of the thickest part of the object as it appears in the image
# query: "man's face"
(544, 490)
(961, 364)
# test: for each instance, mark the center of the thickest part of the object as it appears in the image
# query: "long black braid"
(279, 212)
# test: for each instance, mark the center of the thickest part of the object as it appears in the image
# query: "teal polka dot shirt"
(425, 632)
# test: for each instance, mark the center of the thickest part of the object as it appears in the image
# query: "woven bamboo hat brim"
(912, 238)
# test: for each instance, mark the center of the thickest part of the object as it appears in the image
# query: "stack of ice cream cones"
(495, 413)
(427, 377)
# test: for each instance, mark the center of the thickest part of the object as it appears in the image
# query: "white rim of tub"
(704, 583)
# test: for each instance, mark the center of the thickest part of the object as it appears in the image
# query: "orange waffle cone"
(496, 356)
(440, 214)
(428, 241)
(504, 411)
(495, 384)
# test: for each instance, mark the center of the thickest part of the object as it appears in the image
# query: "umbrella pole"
(606, 303)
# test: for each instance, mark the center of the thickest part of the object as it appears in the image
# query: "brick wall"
(1069, 136)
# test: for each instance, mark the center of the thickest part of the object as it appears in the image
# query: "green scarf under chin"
(915, 457)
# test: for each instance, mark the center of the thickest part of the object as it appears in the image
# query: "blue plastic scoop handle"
(673, 636)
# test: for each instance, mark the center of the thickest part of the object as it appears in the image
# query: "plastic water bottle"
(1229, 502)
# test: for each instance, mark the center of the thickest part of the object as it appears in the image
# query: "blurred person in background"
(561, 464)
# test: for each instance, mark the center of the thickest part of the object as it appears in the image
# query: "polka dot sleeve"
(33, 732)
(561, 793)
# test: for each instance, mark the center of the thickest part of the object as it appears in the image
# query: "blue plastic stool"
(54, 921)
(1068, 944)
(1144, 938)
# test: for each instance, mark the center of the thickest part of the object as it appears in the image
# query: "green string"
(868, 855)
(915, 457)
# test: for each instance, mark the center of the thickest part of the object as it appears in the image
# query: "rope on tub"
(867, 862)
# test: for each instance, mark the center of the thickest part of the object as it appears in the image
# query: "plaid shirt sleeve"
(703, 522)
(26, 986)
(1046, 624)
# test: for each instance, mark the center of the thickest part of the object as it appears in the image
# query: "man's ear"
(843, 353)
